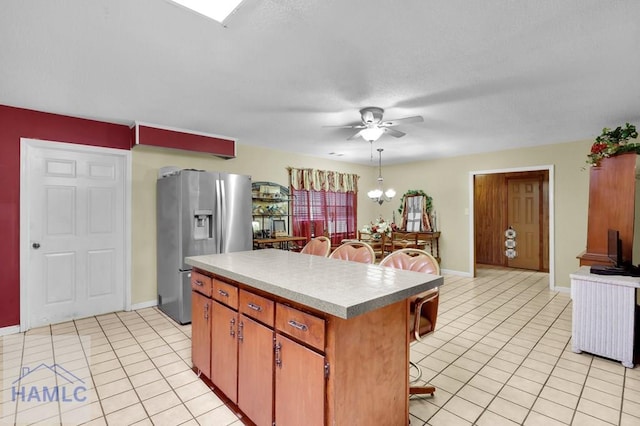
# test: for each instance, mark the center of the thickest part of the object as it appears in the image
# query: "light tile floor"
(500, 356)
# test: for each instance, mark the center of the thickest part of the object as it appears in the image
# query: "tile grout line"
(154, 364)
(487, 281)
(520, 364)
(15, 412)
(121, 366)
(168, 320)
(533, 297)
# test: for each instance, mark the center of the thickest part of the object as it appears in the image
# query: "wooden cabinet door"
(201, 333)
(299, 384)
(255, 371)
(224, 359)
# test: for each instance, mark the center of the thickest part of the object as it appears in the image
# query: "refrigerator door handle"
(223, 222)
(218, 219)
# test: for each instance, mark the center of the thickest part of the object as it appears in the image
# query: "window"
(324, 203)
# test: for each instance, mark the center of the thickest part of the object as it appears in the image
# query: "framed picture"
(256, 229)
(279, 227)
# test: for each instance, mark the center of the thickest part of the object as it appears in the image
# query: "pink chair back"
(412, 260)
(355, 252)
(318, 246)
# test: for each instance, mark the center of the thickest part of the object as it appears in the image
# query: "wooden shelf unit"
(269, 207)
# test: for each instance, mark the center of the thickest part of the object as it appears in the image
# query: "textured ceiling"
(485, 75)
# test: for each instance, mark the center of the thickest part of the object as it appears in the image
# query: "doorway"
(512, 208)
(74, 232)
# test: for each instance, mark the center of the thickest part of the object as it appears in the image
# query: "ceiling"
(485, 75)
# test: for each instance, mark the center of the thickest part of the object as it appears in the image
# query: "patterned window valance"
(322, 180)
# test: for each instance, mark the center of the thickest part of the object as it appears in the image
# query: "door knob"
(35, 245)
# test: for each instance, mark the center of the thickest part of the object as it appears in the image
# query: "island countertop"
(337, 287)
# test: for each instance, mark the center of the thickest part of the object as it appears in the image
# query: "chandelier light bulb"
(374, 193)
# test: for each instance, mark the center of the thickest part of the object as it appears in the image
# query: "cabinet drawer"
(201, 283)
(305, 327)
(225, 293)
(257, 307)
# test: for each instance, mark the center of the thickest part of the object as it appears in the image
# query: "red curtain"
(327, 213)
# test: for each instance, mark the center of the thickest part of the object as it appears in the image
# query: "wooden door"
(224, 360)
(75, 211)
(489, 218)
(255, 371)
(523, 216)
(299, 384)
(201, 333)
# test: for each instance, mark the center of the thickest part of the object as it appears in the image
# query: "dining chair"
(355, 251)
(319, 246)
(423, 307)
(401, 240)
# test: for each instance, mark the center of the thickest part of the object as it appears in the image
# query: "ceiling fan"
(372, 126)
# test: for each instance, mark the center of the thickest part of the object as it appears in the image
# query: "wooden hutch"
(614, 193)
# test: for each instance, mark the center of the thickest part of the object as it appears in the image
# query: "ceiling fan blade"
(352, 126)
(354, 136)
(393, 132)
(414, 119)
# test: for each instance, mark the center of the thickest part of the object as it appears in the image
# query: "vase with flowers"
(379, 227)
(613, 142)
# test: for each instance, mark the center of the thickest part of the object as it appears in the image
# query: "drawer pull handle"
(255, 307)
(240, 328)
(200, 283)
(298, 325)
(206, 311)
(231, 324)
(223, 293)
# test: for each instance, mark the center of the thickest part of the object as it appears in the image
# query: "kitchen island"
(297, 339)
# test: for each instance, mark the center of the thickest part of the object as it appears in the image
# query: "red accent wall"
(16, 123)
(148, 135)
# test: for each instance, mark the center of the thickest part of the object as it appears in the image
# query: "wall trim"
(457, 273)
(13, 329)
(552, 238)
(143, 305)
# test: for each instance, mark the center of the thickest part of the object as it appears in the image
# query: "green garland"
(613, 142)
(413, 192)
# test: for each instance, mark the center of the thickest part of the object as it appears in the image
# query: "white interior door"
(74, 236)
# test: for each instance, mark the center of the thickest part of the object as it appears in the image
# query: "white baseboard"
(13, 329)
(459, 273)
(147, 304)
(562, 289)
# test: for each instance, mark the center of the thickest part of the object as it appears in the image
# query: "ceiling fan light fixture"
(371, 134)
(371, 126)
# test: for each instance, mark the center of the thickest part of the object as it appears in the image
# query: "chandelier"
(379, 195)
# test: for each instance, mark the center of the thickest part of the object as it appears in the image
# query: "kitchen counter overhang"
(337, 287)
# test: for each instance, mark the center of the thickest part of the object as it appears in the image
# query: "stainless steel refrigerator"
(198, 212)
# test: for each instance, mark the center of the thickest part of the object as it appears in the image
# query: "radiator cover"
(604, 315)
